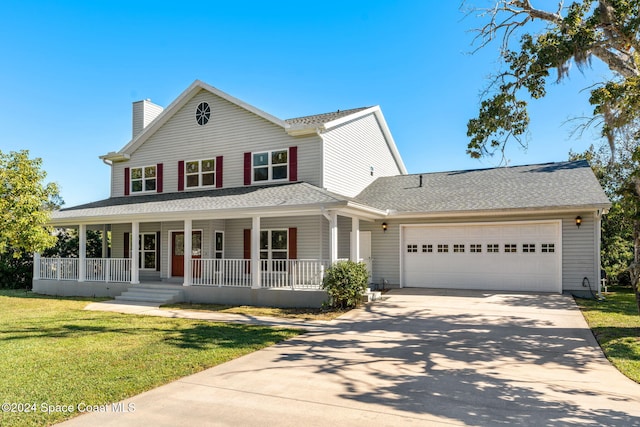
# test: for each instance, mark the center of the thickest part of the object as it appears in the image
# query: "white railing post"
(107, 270)
(59, 268)
(36, 266)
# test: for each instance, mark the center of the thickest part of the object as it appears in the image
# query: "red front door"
(177, 251)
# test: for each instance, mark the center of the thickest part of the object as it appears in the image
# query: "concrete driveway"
(418, 358)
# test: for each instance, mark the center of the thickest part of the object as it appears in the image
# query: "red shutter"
(126, 245)
(158, 251)
(127, 181)
(247, 250)
(159, 169)
(219, 172)
(247, 243)
(181, 175)
(293, 243)
(293, 163)
(247, 168)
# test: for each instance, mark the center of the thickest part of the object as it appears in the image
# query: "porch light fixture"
(384, 227)
(578, 221)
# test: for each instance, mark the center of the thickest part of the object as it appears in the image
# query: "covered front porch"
(258, 238)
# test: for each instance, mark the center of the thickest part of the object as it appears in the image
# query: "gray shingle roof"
(552, 185)
(319, 119)
(255, 197)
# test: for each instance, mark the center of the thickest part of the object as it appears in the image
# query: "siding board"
(231, 131)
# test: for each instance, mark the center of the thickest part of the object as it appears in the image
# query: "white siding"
(578, 247)
(230, 133)
(308, 228)
(350, 150)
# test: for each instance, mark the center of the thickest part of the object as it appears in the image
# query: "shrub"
(345, 282)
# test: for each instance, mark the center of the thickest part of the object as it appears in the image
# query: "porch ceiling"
(273, 200)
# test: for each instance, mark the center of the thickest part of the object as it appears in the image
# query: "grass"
(615, 322)
(289, 313)
(52, 352)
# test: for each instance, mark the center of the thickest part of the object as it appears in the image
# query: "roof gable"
(174, 107)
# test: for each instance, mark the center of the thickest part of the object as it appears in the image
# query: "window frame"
(272, 263)
(548, 248)
(270, 165)
(493, 248)
(143, 180)
(142, 251)
(200, 174)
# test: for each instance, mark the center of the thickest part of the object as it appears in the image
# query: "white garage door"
(522, 256)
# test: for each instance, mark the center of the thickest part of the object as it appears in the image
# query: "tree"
(26, 203)
(617, 225)
(534, 44)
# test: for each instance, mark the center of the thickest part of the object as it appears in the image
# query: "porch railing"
(59, 268)
(96, 269)
(108, 270)
(286, 273)
(221, 272)
(293, 273)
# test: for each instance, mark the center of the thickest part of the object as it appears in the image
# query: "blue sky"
(71, 69)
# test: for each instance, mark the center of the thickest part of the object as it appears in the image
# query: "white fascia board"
(181, 100)
(499, 212)
(115, 157)
(194, 215)
(383, 127)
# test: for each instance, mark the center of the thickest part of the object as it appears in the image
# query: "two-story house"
(214, 200)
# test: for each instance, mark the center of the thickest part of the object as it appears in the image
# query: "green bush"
(16, 272)
(345, 282)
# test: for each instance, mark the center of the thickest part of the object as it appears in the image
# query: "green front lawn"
(52, 352)
(616, 325)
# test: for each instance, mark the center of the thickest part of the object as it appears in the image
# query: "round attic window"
(203, 113)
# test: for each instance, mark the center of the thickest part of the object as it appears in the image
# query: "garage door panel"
(533, 270)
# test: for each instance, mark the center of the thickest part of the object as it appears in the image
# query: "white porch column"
(82, 252)
(333, 237)
(256, 277)
(355, 240)
(188, 247)
(135, 253)
(105, 243)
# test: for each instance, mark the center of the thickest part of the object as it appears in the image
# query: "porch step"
(370, 295)
(151, 293)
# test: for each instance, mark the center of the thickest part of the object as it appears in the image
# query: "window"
(548, 247)
(218, 249)
(510, 248)
(458, 248)
(412, 248)
(443, 248)
(274, 245)
(528, 247)
(270, 165)
(143, 179)
(203, 113)
(147, 245)
(200, 173)
(427, 248)
(475, 248)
